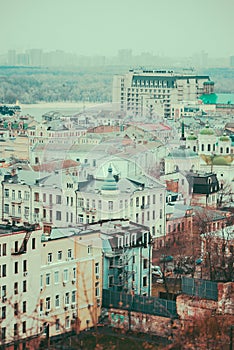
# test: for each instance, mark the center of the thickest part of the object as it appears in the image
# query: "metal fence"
(139, 303)
(200, 288)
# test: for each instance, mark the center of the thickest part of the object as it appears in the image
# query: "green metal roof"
(110, 183)
(217, 98)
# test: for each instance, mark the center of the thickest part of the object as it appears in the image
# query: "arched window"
(202, 147)
(221, 149)
(227, 150)
(208, 147)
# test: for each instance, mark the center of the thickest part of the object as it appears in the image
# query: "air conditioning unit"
(73, 306)
(25, 273)
(97, 277)
(47, 313)
(64, 284)
(74, 315)
(4, 299)
(65, 308)
(73, 281)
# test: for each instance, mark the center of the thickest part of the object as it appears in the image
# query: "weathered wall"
(139, 322)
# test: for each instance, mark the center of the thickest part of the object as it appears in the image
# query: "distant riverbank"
(38, 109)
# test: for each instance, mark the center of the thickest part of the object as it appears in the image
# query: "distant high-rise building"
(11, 58)
(232, 61)
(152, 92)
(35, 57)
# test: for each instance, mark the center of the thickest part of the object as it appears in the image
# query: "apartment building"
(138, 198)
(150, 93)
(70, 279)
(31, 197)
(127, 252)
(20, 256)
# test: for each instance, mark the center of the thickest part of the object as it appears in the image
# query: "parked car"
(156, 271)
(166, 258)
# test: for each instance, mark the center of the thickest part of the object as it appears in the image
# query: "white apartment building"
(140, 199)
(30, 197)
(20, 256)
(150, 93)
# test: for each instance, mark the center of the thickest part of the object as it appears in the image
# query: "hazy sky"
(165, 27)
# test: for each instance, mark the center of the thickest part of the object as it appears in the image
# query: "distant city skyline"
(179, 28)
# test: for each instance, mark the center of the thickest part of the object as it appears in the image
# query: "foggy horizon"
(172, 29)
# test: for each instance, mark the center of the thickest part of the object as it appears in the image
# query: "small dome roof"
(224, 137)
(207, 130)
(110, 183)
(192, 136)
(220, 160)
(182, 152)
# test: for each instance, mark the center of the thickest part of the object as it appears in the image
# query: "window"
(65, 275)
(56, 277)
(15, 330)
(3, 312)
(154, 198)
(3, 333)
(145, 281)
(26, 195)
(110, 205)
(6, 192)
(66, 300)
(67, 322)
(48, 303)
(137, 217)
(16, 267)
(74, 273)
(48, 279)
(58, 199)
(24, 265)
(34, 243)
(3, 291)
(24, 286)
(16, 288)
(89, 249)
(69, 253)
(13, 194)
(58, 215)
(6, 208)
(57, 300)
(49, 257)
(97, 289)
(145, 263)
(16, 309)
(60, 255)
(73, 296)
(4, 270)
(97, 268)
(57, 324)
(24, 307)
(24, 327)
(111, 281)
(80, 202)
